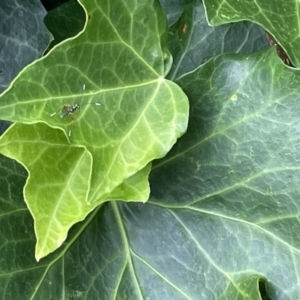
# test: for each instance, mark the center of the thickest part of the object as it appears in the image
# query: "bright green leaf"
(139, 118)
(135, 188)
(121, 60)
(57, 189)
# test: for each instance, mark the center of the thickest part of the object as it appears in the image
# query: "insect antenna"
(53, 114)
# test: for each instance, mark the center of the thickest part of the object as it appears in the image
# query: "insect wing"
(66, 110)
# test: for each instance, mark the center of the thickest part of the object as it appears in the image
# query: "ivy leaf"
(65, 21)
(139, 117)
(56, 192)
(236, 211)
(223, 211)
(193, 42)
(281, 20)
(174, 8)
(24, 37)
(141, 114)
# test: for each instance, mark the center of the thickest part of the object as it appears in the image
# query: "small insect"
(68, 110)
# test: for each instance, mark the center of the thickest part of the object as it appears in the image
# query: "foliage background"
(223, 214)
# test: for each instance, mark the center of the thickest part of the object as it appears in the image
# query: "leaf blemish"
(233, 97)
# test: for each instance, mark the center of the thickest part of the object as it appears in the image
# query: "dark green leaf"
(174, 8)
(281, 19)
(233, 179)
(65, 21)
(24, 37)
(193, 42)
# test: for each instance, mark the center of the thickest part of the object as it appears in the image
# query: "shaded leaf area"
(21, 276)
(181, 258)
(81, 269)
(100, 259)
(65, 21)
(3, 126)
(232, 181)
(23, 37)
(18, 268)
(174, 8)
(281, 19)
(53, 4)
(192, 41)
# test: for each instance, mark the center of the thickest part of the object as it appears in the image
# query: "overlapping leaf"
(193, 42)
(53, 215)
(281, 19)
(65, 21)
